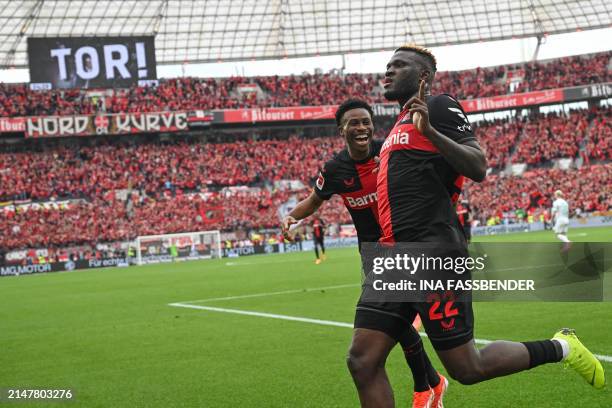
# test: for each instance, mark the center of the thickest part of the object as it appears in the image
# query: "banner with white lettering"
(103, 124)
(91, 62)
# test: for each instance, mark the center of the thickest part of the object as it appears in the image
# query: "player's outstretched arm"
(303, 209)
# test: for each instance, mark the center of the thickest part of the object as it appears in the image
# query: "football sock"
(564, 346)
(432, 374)
(544, 351)
(414, 356)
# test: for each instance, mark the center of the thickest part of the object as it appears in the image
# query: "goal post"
(178, 247)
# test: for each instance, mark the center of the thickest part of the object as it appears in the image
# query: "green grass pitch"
(111, 336)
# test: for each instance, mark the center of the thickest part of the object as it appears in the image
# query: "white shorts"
(561, 226)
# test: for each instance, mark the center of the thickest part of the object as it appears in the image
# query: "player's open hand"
(288, 221)
(419, 111)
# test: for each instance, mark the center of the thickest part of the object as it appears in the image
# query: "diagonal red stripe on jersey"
(459, 182)
(407, 137)
(459, 185)
(384, 208)
(367, 195)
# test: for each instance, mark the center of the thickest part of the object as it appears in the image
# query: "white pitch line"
(282, 292)
(601, 357)
(277, 261)
(259, 314)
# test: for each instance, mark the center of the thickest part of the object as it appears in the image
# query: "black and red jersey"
(318, 229)
(464, 214)
(417, 188)
(355, 182)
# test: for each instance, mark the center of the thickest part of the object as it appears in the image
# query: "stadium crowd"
(88, 172)
(599, 146)
(319, 89)
(587, 189)
(551, 136)
(498, 138)
(82, 171)
(111, 219)
(165, 176)
(107, 220)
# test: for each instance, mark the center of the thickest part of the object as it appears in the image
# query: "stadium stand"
(169, 179)
(319, 89)
(164, 177)
(85, 171)
(599, 146)
(498, 138)
(551, 136)
(587, 188)
(107, 220)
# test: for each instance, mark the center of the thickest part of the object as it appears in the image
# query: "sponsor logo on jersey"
(363, 201)
(460, 113)
(397, 138)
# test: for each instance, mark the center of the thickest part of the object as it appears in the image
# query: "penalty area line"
(601, 357)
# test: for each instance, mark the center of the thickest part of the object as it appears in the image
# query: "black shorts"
(448, 323)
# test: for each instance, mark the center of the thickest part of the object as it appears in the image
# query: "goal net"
(177, 247)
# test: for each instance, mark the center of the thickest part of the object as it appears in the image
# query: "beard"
(401, 93)
(392, 95)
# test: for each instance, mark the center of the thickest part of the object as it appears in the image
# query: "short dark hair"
(352, 104)
(426, 54)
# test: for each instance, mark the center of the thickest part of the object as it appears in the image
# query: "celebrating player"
(352, 175)
(421, 161)
(560, 214)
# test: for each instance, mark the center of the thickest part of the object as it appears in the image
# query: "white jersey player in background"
(560, 214)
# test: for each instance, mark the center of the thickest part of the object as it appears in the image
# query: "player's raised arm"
(303, 209)
(466, 157)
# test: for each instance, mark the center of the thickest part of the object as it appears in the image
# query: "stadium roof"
(211, 31)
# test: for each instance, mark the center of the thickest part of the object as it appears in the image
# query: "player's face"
(357, 129)
(404, 72)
